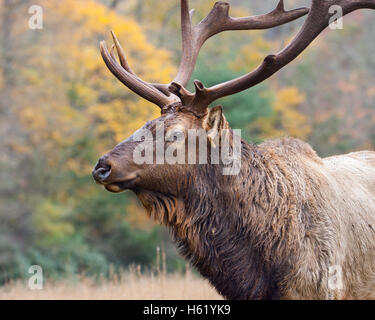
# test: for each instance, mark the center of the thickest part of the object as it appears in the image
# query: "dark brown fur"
(241, 232)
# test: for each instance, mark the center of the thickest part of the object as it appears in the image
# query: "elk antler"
(317, 20)
(193, 37)
(152, 92)
(219, 20)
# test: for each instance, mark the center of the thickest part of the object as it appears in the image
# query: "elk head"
(185, 110)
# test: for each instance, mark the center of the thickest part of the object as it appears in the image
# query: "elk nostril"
(103, 173)
(102, 170)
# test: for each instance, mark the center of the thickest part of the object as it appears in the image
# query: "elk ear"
(213, 123)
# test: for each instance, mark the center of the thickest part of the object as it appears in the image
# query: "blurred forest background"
(60, 109)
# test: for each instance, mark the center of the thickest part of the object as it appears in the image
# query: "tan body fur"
(334, 222)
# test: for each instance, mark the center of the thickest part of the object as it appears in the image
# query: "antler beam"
(317, 20)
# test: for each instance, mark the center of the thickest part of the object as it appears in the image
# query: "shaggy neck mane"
(236, 226)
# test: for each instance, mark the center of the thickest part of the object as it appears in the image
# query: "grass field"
(131, 285)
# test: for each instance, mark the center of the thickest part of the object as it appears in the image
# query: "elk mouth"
(120, 186)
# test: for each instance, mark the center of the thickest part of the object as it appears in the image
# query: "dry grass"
(130, 285)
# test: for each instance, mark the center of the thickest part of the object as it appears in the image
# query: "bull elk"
(278, 228)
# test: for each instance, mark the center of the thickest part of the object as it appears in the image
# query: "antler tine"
(154, 92)
(121, 54)
(219, 20)
(135, 84)
(316, 22)
(189, 47)
(124, 63)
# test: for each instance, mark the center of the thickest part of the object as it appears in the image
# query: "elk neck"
(230, 226)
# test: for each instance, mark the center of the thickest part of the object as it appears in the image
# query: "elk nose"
(102, 170)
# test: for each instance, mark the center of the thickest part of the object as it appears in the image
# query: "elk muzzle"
(115, 174)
